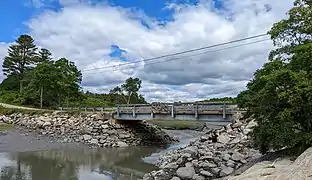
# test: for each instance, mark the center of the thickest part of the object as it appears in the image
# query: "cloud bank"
(85, 33)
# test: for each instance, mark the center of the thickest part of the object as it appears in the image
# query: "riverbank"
(41, 153)
(93, 129)
(21, 140)
(218, 153)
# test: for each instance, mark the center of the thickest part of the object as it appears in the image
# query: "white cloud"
(85, 33)
(3, 52)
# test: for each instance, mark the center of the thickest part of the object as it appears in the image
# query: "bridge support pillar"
(172, 111)
(224, 113)
(133, 111)
(118, 111)
(152, 114)
(196, 111)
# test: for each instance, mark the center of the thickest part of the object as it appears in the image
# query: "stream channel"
(22, 159)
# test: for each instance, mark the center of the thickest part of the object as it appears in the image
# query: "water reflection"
(78, 164)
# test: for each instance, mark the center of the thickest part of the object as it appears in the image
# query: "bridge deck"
(218, 111)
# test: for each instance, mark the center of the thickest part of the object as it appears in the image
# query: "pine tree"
(20, 58)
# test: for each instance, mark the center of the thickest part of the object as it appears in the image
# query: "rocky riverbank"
(95, 129)
(280, 169)
(218, 153)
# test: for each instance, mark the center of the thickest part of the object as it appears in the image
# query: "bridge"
(197, 111)
(191, 111)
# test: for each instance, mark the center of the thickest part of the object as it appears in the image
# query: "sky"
(105, 38)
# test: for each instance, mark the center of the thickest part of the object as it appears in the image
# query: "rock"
(251, 124)
(46, 124)
(237, 124)
(171, 166)
(206, 173)
(236, 140)
(224, 139)
(104, 126)
(188, 164)
(191, 150)
(86, 137)
(208, 164)
(44, 119)
(186, 172)
(94, 141)
(175, 178)
(124, 136)
(225, 171)
(236, 156)
(204, 138)
(206, 158)
(215, 170)
(198, 177)
(226, 156)
(121, 144)
(102, 141)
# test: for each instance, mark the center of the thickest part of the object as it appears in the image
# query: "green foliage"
(4, 127)
(11, 83)
(20, 58)
(11, 97)
(128, 93)
(229, 99)
(56, 82)
(279, 97)
(9, 111)
(35, 79)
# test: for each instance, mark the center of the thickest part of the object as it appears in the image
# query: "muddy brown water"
(26, 156)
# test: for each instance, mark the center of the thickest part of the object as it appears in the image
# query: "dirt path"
(16, 107)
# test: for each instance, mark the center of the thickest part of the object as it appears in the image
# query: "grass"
(178, 124)
(8, 111)
(4, 126)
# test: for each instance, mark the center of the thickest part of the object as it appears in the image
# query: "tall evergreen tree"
(20, 58)
(44, 55)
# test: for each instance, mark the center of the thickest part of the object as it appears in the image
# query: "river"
(72, 163)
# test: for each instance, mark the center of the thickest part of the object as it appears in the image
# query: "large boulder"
(280, 169)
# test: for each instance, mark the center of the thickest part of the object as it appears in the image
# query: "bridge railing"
(196, 108)
(94, 109)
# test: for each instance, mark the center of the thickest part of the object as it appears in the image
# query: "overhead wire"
(178, 53)
(118, 67)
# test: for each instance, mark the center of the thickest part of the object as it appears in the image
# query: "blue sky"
(13, 24)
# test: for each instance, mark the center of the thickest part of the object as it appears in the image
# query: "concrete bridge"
(191, 111)
(195, 111)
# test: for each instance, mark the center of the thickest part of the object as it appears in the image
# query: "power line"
(178, 53)
(206, 52)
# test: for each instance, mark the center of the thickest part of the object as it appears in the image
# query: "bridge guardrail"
(94, 109)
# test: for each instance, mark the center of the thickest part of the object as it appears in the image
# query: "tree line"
(35, 79)
(279, 97)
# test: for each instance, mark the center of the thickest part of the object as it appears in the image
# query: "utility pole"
(41, 96)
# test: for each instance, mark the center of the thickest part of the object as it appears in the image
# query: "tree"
(20, 58)
(10, 83)
(71, 77)
(44, 55)
(129, 91)
(54, 82)
(279, 97)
